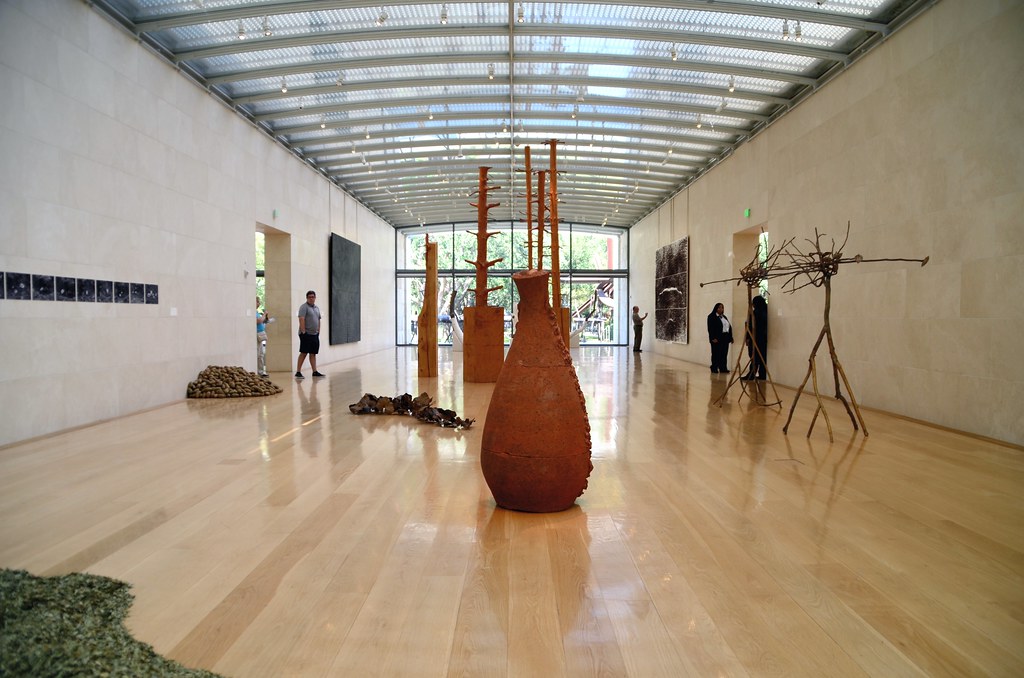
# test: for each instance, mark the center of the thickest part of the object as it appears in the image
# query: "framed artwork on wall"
(672, 291)
(346, 280)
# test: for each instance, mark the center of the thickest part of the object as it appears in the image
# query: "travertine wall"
(115, 167)
(920, 146)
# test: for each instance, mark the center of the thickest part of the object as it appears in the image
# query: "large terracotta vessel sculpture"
(535, 452)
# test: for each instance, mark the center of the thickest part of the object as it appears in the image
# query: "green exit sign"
(746, 213)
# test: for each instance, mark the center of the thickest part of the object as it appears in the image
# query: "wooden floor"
(284, 536)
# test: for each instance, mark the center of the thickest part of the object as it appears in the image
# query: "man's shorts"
(309, 343)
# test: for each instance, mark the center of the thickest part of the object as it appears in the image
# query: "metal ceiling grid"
(401, 103)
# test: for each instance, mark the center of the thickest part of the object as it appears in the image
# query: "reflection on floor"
(284, 536)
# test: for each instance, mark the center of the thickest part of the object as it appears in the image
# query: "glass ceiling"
(400, 104)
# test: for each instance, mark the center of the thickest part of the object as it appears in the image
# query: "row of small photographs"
(29, 286)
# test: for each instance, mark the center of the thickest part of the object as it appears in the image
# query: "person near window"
(638, 328)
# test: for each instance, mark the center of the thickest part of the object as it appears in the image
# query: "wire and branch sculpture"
(819, 266)
(760, 268)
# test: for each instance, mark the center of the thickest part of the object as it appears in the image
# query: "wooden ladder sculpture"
(484, 347)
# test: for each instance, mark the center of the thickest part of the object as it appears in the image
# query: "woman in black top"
(720, 336)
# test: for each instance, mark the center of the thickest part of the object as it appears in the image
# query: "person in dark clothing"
(758, 327)
(638, 328)
(720, 336)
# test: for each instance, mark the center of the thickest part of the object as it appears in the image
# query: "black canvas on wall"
(66, 290)
(42, 287)
(672, 293)
(345, 272)
(86, 289)
(19, 285)
(104, 291)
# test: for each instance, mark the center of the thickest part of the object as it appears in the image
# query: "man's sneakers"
(298, 375)
(317, 374)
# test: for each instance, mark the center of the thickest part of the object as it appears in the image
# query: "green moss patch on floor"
(73, 625)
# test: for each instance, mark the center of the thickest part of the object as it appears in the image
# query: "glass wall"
(594, 283)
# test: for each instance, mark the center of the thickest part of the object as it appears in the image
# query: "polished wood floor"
(284, 536)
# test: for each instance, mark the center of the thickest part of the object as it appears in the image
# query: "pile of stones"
(217, 381)
(418, 407)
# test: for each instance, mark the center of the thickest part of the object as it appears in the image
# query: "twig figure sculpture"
(818, 266)
(753, 274)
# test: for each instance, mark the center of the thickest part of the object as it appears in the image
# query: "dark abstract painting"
(672, 292)
(346, 281)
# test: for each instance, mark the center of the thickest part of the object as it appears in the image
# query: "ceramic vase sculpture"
(535, 453)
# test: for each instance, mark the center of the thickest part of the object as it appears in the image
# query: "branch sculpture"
(818, 266)
(752, 275)
(482, 236)
(483, 341)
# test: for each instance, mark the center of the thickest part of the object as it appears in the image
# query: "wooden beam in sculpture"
(561, 314)
(529, 211)
(484, 336)
(426, 324)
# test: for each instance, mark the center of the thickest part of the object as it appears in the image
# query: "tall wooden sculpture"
(561, 314)
(426, 323)
(529, 212)
(484, 348)
(819, 267)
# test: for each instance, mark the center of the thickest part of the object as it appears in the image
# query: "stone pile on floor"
(217, 381)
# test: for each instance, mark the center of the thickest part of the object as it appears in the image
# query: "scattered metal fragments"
(217, 381)
(418, 407)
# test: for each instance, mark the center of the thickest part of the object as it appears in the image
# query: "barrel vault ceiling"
(400, 103)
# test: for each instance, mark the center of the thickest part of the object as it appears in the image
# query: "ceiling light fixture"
(367, 132)
(699, 123)
(504, 127)
(284, 86)
(340, 80)
(266, 27)
(673, 53)
(444, 14)
(732, 84)
(302, 102)
(490, 71)
(797, 31)
(241, 30)
(575, 110)
(323, 123)
(785, 29)
(520, 14)
(430, 114)
(382, 17)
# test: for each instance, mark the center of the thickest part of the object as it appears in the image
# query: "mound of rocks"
(218, 381)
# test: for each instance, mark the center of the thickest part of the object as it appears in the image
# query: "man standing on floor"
(638, 328)
(309, 334)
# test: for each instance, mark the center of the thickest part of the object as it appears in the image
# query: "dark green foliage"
(73, 625)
